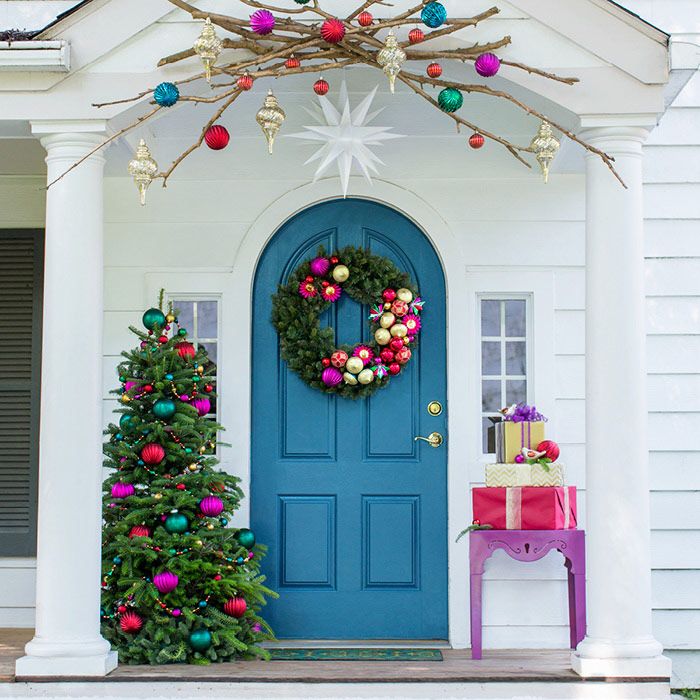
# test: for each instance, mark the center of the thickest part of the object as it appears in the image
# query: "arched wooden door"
(353, 510)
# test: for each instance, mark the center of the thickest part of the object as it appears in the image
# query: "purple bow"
(522, 413)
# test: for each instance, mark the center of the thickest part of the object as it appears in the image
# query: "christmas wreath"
(357, 370)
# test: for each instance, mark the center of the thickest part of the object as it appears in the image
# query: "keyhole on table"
(527, 548)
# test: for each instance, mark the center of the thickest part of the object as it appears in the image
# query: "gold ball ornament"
(192, 467)
(210, 526)
(170, 318)
(387, 305)
(157, 496)
(387, 319)
(354, 365)
(366, 376)
(399, 330)
(125, 398)
(406, 340)
(350, 378)
(382, 336)
(405, 295)
(199, 543)
(341, 273)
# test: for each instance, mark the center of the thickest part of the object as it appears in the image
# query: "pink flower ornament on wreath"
(412, 323)
(365, 353)
(307, 289)
(331, 292)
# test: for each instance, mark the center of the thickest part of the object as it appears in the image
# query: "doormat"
(278, 654)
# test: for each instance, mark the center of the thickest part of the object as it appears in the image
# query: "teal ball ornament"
(164, 409)
(302, 2)
(126, 422)
(246, 538)
(176, 524)
(153, 318)
(200, 640)
(166, 94)
(450, 99)
(433, 15)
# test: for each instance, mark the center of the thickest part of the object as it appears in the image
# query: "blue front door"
(354, 511)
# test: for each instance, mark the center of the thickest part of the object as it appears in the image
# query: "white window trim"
(538, 287)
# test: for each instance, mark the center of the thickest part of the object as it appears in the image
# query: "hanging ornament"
(235, 607)
(139, 531)
(476, 140)
(391, 58)
(176, 524)
(262, 22)
(185, 350)
(434, 70)
(321, 87)
(143, 169)
(433, 15)
(365, 19)
(203, 405)
(319, 266)
(208, 47)
(200, 640)
(339, 358)
(130, 622)
(246, 538)
(340, 273)
(216, 137)
(292, 62)
(164, 409)
(211, 506)
(270, 117)
(245, 81)
(166, 94)
(153, 453)
(450, 99)
(165, 581)
(545, 146)
(415, 36)
(333, 31)
(120, 490)
(302, 2)
(153, 319)
(487, 64)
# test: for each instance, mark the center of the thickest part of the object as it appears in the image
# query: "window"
(504, 357)
(201, 319)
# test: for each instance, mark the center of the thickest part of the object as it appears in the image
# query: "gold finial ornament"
(143, 169)
(545, 147)
(208, 47)
(270, 117)
(391, 58)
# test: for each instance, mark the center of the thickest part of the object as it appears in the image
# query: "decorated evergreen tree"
(178, 584)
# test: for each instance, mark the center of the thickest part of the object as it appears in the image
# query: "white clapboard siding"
(569, 332)
(675, 549)
(668, 354)
(672, 277)
(671, 238)
(674, 471)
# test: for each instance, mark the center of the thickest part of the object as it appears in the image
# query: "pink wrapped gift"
(526, 507)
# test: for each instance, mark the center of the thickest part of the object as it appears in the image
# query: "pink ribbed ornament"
(120, 490)
(262, 21)
(129, 385)
(153, 453)
(319, 266)
(211, 506)
(165, 581)
(331, 376)
(487, 64)
(203, 405)
(235, 607)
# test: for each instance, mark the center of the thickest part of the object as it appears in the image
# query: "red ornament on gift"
(333, 31)
(476, 140)
(550, 449)
(130, 622)
(292, 62)
(245, 81)
(139, 531)
(364, 19)
(235, 607)
(321, 87)
(389, 295)
(434, 70)
(415, 36)
(153, 453)
(185, 350)
(216, 137)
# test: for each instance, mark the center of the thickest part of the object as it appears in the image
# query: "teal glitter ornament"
(200, 640)
(126, 422)
(153, 318)
(176, 524)
(450, 99)
(166, 94)
(164, 409)
(182, 331)
(433, 14)
(246, 538)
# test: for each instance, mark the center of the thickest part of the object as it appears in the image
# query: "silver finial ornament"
(391, 58)
(270, 117)
(545, 146)
(208, 47)
(143, 169)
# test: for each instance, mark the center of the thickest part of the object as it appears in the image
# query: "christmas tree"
(178, 584)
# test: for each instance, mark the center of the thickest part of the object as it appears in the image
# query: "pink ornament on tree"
(203, 405)
(262, 22)
(120, 490)
(130, 622)
(211, 506)
(129, 385)
(165, 581)
(319, 266)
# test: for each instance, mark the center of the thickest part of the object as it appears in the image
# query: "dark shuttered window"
(21, 271)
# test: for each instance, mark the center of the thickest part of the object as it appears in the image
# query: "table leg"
(579, 586)
(573, 619)
(475, 601)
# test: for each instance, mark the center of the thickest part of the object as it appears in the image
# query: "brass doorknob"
(434, 439)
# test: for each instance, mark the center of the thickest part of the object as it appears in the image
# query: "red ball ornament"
(139, 531)
(235, 607)
(245, 81)
(388, 295)
(396, 344)
(185, 350)
(130, 622)
(292, 62)
(403, 355)
(326, 361)
(216, 137)
(153, 453)
(476, 140)
(122, 609)
(208, 388)
(394, 368)
(550, 448)
(386, 355)
(334, 260)
(217, 577)
(163, 339)
(415, 36)
(333, 31)
(434, 70)
(321, 87)
(148, 388)
(364, 19)
(180, 487)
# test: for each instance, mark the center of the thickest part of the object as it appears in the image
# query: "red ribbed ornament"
(130, 622)
(245, 82)
(415, 36)
(139, 531)
(217, 137)
(185, 350)
(292, 62)
(333, 31)
(321, 87)
(235, 607)
(434, 70)
(153, 453)
(365, 18)
(476, 140)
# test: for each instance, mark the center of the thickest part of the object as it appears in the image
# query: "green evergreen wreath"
(351, 371)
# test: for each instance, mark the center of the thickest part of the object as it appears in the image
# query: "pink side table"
(529, 545)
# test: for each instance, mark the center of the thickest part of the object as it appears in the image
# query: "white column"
(67, 640)
(619, 640)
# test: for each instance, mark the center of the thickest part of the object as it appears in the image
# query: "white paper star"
(347, 137)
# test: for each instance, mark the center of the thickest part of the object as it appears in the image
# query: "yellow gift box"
(511, 437)
(510, 475)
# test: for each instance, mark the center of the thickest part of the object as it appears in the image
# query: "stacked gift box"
(525, 488)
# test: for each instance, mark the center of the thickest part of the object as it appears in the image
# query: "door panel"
(352, 508)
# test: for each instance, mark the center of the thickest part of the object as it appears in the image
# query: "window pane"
(515, 357)
(516, 391)
(515, 318)
(487, 436)
(491, 395)
(211, 351)
(207, 319)
(490, 357)
(185, 314)
(490, 317)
